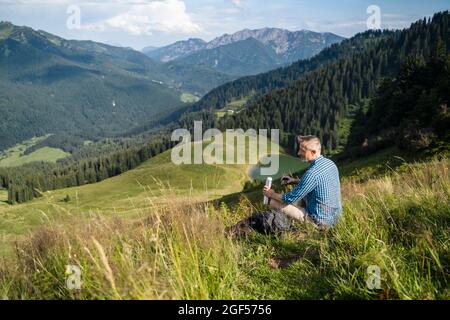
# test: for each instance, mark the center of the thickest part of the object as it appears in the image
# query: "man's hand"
(289, 180)
(268, 192)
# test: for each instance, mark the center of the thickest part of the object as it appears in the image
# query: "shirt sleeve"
(306, 185)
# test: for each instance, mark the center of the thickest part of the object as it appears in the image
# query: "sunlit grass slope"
(398, 222)
(157, 181)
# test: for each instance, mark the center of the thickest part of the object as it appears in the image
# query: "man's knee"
(294, 212)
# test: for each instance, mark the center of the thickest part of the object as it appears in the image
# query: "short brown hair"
(311, 142)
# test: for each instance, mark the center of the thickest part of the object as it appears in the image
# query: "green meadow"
(187, 97)
(235, 105)
(3, 197)
(155, 182)
(158, 232)
(15, 156)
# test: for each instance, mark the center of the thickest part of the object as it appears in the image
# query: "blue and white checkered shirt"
(321, 187)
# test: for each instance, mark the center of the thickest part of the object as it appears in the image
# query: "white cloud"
(144, 17)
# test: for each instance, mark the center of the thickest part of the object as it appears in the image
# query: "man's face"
(306, 154)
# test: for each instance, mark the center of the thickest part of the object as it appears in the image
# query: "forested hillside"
(319, 103)
(246, 87)
(410, 110)
(83, 88)
(30, 180)
(322, 100)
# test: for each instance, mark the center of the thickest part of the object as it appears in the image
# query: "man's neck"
(317, 157)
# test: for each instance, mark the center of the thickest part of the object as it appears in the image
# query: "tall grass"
(176, 252)
(399, 222)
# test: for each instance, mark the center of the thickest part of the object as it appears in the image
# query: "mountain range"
(89, 89)
(324, 94)
(52, 85)
(247, 52)
(367, 80)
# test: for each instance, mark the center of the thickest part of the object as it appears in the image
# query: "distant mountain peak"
(288, 45)
(197, 39)
(285, 43)
(178, 49)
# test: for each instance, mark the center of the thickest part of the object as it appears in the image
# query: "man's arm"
(272, 194)
(289, 180)
(306, 185)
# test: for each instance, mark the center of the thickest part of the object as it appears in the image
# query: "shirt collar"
(315, 160)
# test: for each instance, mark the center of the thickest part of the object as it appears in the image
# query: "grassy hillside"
(398, 221)
(155, 182)
(20, 148)
(15, 156)
(188, 97)
(148, 233)
(3, 197)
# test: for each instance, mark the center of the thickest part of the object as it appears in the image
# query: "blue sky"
(140, 23)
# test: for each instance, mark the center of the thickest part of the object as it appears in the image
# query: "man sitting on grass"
(319, 187)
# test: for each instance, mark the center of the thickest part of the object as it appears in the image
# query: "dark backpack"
(269, 222)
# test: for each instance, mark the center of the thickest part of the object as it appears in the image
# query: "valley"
(15, 155)
(92, 178)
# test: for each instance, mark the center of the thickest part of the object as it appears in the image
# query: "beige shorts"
(294, 211)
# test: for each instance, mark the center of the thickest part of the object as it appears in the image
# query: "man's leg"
(289, 210)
